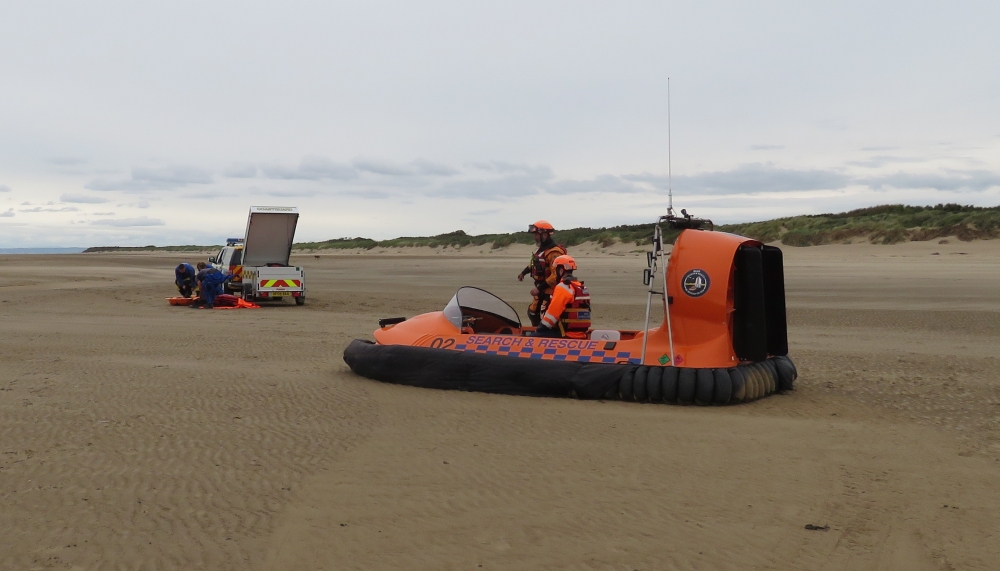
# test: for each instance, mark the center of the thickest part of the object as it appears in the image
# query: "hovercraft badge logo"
(695, 283)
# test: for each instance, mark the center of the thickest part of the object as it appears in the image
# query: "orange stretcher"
(240, 303)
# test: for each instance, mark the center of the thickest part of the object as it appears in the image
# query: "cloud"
(487, 212)
(312, 168)
(758, 178)
(382, 167)
(4, 188)
(882, 160)
(320, 169)
(973, 180)
(417, 167)
(179, 175)
(82, 199)
(604, 184)
(766, 147)
(40, 209)
(433, 169)
(127, 222)
(374, 194)
(502, 167)
(9, 213)
(103, 214)
(501, 188)
(290, 193)
(750, 179)
(147, 179)
(241, 171)
(500, 181)
(204, 194)
(879, 148)
(66, 161)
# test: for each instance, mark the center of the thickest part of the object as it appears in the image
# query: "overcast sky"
(133, 123)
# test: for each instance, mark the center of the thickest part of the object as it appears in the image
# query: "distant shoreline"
(41, 250)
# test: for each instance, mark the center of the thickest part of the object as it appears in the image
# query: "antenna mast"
(670, 180)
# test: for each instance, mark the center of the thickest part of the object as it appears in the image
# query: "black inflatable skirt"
(466, 371)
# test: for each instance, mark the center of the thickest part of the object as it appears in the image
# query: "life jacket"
(576, 317)
(540, 268)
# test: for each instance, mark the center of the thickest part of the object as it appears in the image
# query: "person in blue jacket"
(184, 279)
(210, 282)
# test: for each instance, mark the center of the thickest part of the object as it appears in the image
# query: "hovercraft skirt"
(457, 370)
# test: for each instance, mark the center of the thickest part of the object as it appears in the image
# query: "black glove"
(540, 330)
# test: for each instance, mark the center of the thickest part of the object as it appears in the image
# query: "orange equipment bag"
(240, 304)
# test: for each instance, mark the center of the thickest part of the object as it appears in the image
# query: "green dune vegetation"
(606, 236)
(887, 224)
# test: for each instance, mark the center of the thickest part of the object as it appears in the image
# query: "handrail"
(658, 259)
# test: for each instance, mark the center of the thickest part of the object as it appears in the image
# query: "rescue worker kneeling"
(210, 284)
(568, 312)
(185, 279)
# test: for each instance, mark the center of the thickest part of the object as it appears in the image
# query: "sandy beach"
(136, 435)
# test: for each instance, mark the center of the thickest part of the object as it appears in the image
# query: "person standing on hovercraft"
(210, 282)
(568, 312)
(540, 269)
(184, 279)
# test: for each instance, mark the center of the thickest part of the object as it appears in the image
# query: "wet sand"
(136, 435)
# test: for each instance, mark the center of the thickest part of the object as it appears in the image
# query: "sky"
(132, 123)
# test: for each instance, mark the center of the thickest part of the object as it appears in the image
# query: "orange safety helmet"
(540, 226)
(565, 262)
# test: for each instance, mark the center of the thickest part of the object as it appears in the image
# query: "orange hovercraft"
(723, 339)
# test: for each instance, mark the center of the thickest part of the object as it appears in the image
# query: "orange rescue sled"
(240, 303)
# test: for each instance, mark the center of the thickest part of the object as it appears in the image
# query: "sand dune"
(135, 435)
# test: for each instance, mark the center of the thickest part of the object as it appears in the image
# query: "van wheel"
(247, 292)
(301, 300)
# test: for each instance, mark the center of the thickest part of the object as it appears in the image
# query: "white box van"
(266, 249)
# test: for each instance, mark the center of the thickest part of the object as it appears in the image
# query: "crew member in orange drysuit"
(540, 269)
(568, 312)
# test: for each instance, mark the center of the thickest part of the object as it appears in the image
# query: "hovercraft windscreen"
(472, 300)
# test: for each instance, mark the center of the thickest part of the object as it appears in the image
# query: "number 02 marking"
(442, 343)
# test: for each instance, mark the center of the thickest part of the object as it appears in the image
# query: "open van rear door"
(270, 231)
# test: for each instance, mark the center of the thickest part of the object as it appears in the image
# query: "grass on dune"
(887, 224)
